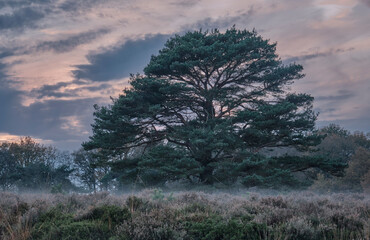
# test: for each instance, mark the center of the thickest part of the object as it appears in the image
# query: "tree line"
(28, 166)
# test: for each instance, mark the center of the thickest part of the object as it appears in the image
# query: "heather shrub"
(197, 207)
(365, 182)
(158, 224)
(99, 223)
(298, 228)
(111, 215)
(134, 203)
(191, 215)
(215, 227)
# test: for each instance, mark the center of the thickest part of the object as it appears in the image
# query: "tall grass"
(184, 215)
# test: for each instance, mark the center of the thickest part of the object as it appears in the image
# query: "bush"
(216, 228)
(191, 215)
(99, 223)
(109, 215)
(134, 203)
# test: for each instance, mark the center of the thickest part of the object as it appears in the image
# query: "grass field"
(153, 214)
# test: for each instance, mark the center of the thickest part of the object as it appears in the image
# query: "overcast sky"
(59, 57)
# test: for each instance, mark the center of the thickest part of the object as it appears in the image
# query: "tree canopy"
(29, 165)
(204, 108)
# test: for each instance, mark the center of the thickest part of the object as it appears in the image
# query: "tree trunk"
(206, 176)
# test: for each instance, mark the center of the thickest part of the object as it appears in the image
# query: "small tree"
(339, 144)
(212, 101)
(347, 148)
(89, 169)
(358, 170)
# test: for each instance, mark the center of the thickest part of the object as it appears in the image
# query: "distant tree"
(340, 144)
(38, 176)
(28, 151)
(7, 168)
(358, 170)
(207, 104)
(350, 148)
(89, 169)
(30, 165)
(334, 129)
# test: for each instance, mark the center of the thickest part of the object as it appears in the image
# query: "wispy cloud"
(74, 6)
(69, 43)
(64, 90)
(185, 3)
(341, 95)
(306, 57)
(222, 22)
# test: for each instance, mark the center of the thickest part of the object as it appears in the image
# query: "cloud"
(68, 44)
(44, 120)
(9, 102)
(3, 75)
(20, 18)
(306, 57)
(185, 3)
(23, 3)
(353, 124)
(367, 2)
(10, 99)
(121, 61)
(325, 110)
(47, 120)
(49, 90)
(73, 5)
(57, 91)
(341, 95)
(220, 22)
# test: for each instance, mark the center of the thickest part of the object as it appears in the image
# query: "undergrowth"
(153, 214)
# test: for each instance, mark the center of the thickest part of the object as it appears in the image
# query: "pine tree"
(205, 107)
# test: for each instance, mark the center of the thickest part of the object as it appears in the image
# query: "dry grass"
(297, 215)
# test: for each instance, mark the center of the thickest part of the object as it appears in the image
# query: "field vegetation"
(153, 214)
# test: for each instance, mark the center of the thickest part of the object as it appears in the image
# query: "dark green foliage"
(215, 228)
(27, 165)
(196, 208)
(276, 171)
(207, 102)
(98, 224)
(56, 189)
(156, 166)
(8, 165)
(41, 176)
(109, 215)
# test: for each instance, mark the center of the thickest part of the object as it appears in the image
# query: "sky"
(60, 57)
